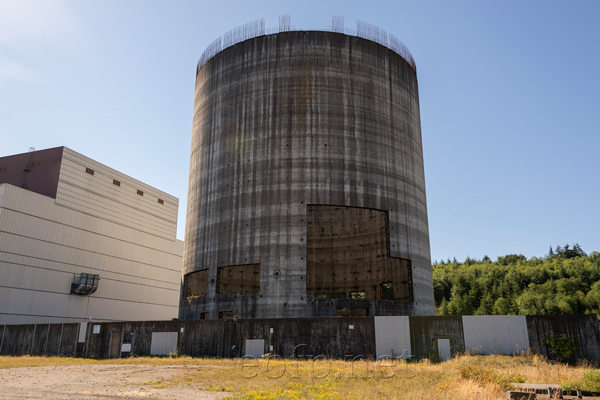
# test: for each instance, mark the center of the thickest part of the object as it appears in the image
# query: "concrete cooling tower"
(306, 188)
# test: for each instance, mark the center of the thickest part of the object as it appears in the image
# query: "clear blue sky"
(509, 91)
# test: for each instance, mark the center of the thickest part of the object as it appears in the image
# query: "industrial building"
(81, 241)
(306, 189)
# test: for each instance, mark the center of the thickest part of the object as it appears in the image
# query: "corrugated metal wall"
(164, 343)
(495, 334)
(97, 195)
(43, 246)
(392, 336)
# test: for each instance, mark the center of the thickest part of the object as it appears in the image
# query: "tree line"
(564, 281)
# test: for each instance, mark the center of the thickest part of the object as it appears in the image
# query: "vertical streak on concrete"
(2, 341)
(46, 342)
(76, 339)
(62, 327)
(32, 339)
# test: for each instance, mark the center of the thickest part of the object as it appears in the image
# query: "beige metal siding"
(97, 195)
(495, 334)
(43, 246)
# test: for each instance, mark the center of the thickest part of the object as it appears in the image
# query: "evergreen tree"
(486, 307)
(578, 250)
(566, 283)
(501, 306)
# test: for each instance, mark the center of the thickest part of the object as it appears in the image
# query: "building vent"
(85, 284)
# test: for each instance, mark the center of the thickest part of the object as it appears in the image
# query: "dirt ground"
(87, 382)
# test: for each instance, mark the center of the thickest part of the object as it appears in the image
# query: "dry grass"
(34, 361)
(463, 377)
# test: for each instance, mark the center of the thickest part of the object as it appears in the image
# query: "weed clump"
(485, 376)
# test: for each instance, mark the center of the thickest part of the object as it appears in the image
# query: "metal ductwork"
(95, 280)
(85, 284)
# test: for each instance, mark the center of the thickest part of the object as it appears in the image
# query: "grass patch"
(463, 377)
(41, 361)
(589, 381)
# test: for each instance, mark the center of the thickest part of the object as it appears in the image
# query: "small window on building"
(225, 315)
(161, 201)
(140, 192)
(387, 291)
(35, 163)
(3, 168)
(357, 295)
(116, 182)
(89, 171)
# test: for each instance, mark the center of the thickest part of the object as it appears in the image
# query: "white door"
(444, 349)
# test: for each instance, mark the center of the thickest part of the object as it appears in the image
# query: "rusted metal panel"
(348, 256)
(195, 284)
(238, 279)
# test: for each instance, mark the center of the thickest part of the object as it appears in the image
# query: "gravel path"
(87, 382)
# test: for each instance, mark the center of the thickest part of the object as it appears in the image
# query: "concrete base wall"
(43, 339)
(583, 330)
(338, 337)
(425, 331)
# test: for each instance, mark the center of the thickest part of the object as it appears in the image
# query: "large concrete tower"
(306, 189)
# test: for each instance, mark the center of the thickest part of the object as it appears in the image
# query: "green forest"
(565, 281)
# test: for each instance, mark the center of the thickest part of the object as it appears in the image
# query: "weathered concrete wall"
(582, 329)
(18, 339)
(294, 119)
(335, 337)
(210, 338)
(424, 332)
(43, 339)
(332, 337)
